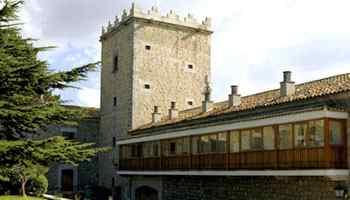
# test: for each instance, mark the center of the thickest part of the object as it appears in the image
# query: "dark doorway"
(67, 180)
(146, 193)
(117, 193)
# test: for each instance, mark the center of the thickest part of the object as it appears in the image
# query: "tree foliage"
(31, 159)
(27, 99)
(28, 104)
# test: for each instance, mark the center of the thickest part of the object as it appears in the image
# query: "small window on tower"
(115, 64)
(147, 86)
(114, 142)
(148, 47)
(190, 103)
(114, 101)
(190, 66)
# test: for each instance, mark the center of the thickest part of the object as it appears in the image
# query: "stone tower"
(148, 60)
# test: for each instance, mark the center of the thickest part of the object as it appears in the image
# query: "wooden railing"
(333, 157)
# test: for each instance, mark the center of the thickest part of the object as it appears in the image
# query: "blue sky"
(253, 41)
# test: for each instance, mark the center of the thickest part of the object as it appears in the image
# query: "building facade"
(170, 141)
(68, 179)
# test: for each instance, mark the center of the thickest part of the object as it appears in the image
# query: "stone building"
(149, 62)
(68, 179)
(170, 141)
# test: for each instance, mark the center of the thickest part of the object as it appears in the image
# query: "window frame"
(238, 133)
(279, 136)
(306, 134)
(342, 132)
(324, 130)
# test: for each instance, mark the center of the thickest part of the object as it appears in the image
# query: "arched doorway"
(146, 193)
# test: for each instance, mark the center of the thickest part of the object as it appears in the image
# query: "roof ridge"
(329, 78)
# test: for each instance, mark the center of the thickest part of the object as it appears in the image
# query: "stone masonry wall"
(115, 120)
(248, 188)
(165, 68)
(88, 171)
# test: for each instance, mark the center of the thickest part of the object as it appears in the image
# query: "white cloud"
(89, 97)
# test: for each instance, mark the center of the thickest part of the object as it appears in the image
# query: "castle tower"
(148, 60)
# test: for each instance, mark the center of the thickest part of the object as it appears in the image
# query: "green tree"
(30, 159)
(28, 103)
(27, 99)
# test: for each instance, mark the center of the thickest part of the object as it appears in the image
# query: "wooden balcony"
(304, 158)
(329, 152)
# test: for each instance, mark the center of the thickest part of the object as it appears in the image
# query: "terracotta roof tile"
(307, 90)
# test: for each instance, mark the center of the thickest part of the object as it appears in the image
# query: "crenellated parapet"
(154, 15)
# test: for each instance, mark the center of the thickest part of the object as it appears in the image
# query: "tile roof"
(308, 90)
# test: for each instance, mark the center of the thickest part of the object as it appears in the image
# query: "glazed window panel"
(179, 146)
(195, 144)
(165, 148)
(186, 145)
(245, 140)
(221, 142)
(147, 148)
(256, 139)
(213, 142)
(300, 132)
(285, 136)
(155, 149)
(234, 141)
(269, 138)
(172, 148)
(204, 144)
(316, 133)
(136, 150)
(125, 152)
(335, 132)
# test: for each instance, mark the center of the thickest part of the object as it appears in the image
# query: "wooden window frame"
(306, 135)
(342, 131)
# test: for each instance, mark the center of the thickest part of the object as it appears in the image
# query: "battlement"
(155, 15)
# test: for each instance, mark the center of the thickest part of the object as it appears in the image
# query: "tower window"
(114, 101)
(190, 66)
(190, 103)
(114, 143)
(147, 86)
(148, 47)
(115, 63)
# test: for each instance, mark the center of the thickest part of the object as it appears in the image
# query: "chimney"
(173, 112)
(207, 104)
(287, 85)
(234, 99)
(156, 116)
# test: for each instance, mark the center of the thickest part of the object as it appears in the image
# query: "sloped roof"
(308, 90)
